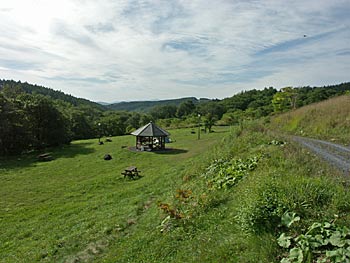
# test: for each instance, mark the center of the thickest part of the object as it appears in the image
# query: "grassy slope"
(324, 120)
(53, 210)
(79, 210)
(296, 181)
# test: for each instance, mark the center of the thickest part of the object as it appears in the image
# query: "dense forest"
(24, 87)
(34, 117)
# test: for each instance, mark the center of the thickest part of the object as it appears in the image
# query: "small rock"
(107, 157)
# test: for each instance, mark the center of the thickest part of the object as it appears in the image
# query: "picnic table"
(45, 157)
(131, 172)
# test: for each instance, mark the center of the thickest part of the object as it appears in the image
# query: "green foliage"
(113, 123)
(146, 106)
(289, 218)
(46, 124)
(31, 122)
(226, 173)
(81, 125)
(322, 242)
(212, 108)
(209, 122)
(163, 111)
(185, 108)
(255, 103)
(249, 99)
(285, 100)
(18, 87)
(262, 206)
(134, 120)
(14, 136)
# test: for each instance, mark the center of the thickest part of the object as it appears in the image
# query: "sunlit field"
(68, 208)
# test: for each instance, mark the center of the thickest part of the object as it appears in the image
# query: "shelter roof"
(150, 130)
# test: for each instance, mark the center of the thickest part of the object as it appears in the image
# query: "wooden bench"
(131, 172)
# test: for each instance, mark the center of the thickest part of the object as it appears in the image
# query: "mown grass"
(328, 120)
(77, 208)
(54, 210)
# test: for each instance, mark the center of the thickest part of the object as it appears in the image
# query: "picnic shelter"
(150, 137)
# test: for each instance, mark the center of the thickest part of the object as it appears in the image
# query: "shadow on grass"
(219, 131)
(170, 151)
(163, 151)
(30, 159)
(72, 150)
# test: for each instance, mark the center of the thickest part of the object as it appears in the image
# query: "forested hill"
(24, 87)
(34, 117)
(146, 106)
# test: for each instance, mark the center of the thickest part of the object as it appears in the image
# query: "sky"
(127, 50)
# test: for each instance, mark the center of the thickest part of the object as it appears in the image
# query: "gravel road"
(335, 154)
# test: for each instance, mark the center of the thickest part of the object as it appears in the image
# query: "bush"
(322, 242)
(262, 206)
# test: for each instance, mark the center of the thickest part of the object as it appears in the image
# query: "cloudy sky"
(114, 50)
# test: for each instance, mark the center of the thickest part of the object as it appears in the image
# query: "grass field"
(66, 208)
(78, 208)
(329, 120)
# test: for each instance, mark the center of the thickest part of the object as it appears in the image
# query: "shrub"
(263, 205)
(224, 173)
(322, 242)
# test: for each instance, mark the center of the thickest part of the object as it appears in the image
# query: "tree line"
(31, 118)
(34, 121)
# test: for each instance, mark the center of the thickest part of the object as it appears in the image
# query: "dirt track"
(337, 155)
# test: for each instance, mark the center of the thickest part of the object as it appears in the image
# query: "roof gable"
(150, 130)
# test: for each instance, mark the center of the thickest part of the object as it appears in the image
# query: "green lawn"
(78, 205)
(79, 208)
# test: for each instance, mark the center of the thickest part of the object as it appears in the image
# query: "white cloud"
(137, 49)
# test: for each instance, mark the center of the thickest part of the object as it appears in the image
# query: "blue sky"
(116, 50)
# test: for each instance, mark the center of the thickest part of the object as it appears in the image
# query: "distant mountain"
(54, 94)
(103, 103)
(145, 106)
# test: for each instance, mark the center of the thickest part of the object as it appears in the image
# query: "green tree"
(185, 108)
(163, 112)
(14, 137)
(213, 107)
(12, 90)
(209, 122)
(134, 120)
(285, 100)
(145, 118)
(47, 125)
(80, 125)
(113, 123)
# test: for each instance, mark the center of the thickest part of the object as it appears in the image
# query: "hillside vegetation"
(146, 106)
(328, 120)
(34, 117)
(18, 86)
